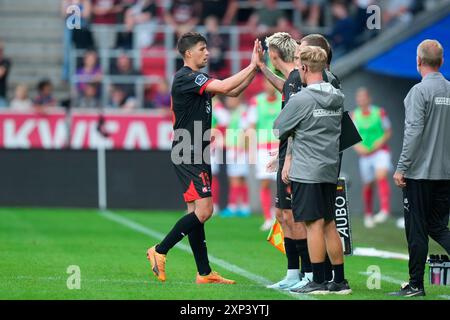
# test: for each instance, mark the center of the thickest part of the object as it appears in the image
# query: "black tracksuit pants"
(426, 206)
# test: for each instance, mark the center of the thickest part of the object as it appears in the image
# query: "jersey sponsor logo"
(442, 101)
(326, 113)
(200, 80)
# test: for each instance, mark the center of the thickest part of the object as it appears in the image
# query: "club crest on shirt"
(208, 107)
(200, 80)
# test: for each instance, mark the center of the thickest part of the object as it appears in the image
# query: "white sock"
(309, 275)
(292, 274)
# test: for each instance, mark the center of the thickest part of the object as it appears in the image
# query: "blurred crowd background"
(124, 54)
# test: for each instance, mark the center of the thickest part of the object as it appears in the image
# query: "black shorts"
(313, 201)
(284, 195)
(195, 180)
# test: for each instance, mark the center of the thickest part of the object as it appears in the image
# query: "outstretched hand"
(260, 54)
(257, 54)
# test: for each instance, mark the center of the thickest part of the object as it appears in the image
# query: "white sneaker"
(400, 223)
(368, 222)
(266, 225)
(284, 284)
(307, 278)
(381, 217)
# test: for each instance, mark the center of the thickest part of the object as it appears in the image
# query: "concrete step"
(36, 71)
(29, 6)
(51, 35)
(33, 22)
(36, 59)
(14, 49)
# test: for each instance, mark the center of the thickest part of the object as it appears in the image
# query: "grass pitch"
(38, 245)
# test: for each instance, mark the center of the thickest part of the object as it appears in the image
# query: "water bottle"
(436, 275)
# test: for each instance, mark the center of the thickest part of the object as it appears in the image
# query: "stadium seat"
(154, 61)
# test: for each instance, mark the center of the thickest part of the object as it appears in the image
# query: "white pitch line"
(385, 278)
(221, 263)
(373, 252)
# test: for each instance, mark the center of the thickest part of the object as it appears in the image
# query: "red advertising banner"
(130, 132)
(80, 130)
(33, 130)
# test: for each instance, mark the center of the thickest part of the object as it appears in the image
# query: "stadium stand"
(33, 32)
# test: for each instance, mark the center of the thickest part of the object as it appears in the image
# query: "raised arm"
(275, 80)
(227, 85)
(239, 89)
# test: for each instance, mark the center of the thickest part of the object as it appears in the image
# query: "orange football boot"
(213, 277)
(158, 263)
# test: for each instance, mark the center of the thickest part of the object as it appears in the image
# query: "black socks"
(198, 246)
(328, 269)
(302, 249)
(291, 253)
(191, 226)
(183, 227)
(318, 272)
(338, 273)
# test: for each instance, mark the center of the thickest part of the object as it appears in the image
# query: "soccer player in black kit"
(191, 106)
(283, 51)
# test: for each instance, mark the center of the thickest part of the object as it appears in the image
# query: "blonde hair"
(314, 57)
(430, 53)
(21, 88)
(283, 43)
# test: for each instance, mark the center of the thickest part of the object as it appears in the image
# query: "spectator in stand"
(217, 45)
(244, 13)
(5, 66)
(89, 72)
(140, 18)
(120, 99)
(343, 32)
(69, 36)
(224, 10)
(125, 5)
(89, 97)
(161, 99)
(396, 11)
(45, 95)
(21, 101)
(361, 15)
(106, 11)
(183, 15)
(311, 10)
(267, 18)
(124, 67)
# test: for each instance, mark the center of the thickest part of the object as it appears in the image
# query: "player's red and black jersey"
(293, 84)
(191, 107)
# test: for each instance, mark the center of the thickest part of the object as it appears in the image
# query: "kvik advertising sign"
(57, 130)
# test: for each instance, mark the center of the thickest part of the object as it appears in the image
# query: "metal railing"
(105, 53)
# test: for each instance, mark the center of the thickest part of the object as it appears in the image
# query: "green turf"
(38, 245)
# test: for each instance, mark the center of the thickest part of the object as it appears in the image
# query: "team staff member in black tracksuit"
(191, 106)
(423, 170)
